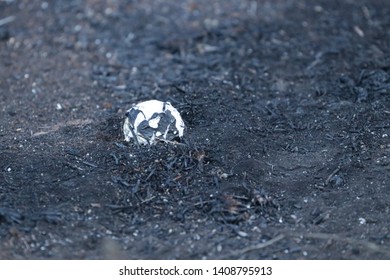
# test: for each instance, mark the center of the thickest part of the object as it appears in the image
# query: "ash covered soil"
(286, 153)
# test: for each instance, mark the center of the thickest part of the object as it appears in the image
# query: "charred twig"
(51, 217)
(320, 217)
(171, 142)
(331, 236)
(328, 180)
(151, 173)
(115, 158)
(6, 20)
(147, 200)
(74, 166)
(135, 137)
(202, 203)
(10, 216)
(120, 145)
(90, 164)
(118, 179)
(254, 247)
(316, 235)
(119, 208)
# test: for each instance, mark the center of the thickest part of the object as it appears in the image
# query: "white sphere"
(150, 121)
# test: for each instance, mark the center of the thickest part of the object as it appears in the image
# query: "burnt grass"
(286, 153)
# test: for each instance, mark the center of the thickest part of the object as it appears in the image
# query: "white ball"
(150, 121)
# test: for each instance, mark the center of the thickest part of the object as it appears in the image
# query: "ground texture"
(286, 153)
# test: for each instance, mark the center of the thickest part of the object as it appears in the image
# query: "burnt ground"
(287, 151)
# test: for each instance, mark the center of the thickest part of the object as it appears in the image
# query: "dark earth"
(286, 153)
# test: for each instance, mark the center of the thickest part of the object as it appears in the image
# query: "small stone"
(242, 233)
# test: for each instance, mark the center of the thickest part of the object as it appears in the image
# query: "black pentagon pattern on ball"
(166, 121)
(132, 114)
(145, 130)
